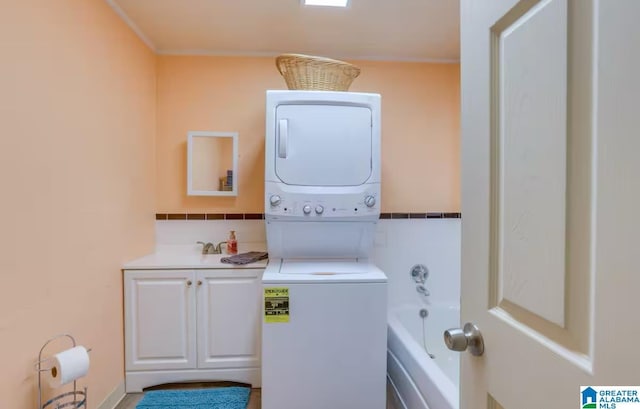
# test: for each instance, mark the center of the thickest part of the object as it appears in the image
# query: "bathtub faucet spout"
(422, 290)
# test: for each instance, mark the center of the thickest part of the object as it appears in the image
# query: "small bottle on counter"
(232, 243)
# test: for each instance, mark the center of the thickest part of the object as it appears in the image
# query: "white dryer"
(324, 326)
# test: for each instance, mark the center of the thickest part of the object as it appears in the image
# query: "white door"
(323, 145)
(159, 320)
(229, 318)
(551, 138)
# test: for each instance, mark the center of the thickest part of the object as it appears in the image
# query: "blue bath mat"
(212, 398)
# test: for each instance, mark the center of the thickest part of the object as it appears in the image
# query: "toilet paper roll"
(68, 366)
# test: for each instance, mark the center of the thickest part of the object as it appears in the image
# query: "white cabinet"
(192, 325)
(228, 319)
(160, 320)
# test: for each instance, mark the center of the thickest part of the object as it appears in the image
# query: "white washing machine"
(324, 332)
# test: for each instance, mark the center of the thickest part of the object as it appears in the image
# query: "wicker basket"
(316, 73)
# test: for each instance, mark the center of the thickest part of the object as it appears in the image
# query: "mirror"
(212, 163)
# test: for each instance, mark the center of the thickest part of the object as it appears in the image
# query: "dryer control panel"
(360, 203)
(309, 208)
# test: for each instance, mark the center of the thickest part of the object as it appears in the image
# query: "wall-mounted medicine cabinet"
(212, 163)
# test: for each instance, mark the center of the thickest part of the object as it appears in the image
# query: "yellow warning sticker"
(276, 304)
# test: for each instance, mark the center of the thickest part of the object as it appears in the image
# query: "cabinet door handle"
(199, 282)
(189, 283)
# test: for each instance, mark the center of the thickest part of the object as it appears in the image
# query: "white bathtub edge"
(404, 387)
(407, 353)
(394, 400)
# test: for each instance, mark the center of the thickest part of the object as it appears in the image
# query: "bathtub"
(415, 380)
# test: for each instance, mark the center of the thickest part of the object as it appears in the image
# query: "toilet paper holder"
(76, 398)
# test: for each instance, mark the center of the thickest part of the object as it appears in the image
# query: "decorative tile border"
(428, 215)
(260, 216)
(209, 216)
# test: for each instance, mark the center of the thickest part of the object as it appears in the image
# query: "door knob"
(189, 283)
(461, 339)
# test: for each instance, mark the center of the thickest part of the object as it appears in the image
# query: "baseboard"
(136, 381)
(112, 400)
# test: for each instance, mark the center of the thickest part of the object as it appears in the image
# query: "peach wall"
(77, 129)
(420, 128)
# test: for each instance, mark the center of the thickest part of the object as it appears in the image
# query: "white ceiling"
(411, 30)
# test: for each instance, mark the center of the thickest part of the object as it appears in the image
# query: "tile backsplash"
(399, 244)
(187, 232)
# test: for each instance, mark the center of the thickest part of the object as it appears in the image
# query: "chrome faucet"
(218, 249)
(209, 248)
(419, 274)
(422, 290)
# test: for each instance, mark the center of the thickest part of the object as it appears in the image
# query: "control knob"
(319, 209)
(370, 201)
(306, 209)
(275, 200)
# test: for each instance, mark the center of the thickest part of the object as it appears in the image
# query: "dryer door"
(323, 145)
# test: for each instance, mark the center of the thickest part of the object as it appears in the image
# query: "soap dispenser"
(232, 243)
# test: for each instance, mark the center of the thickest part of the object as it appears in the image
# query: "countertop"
(190, 257)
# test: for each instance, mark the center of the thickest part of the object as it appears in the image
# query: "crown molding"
(213, 53)
(120, 12)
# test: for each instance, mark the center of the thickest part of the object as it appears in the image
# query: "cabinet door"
(228, 318)
(159, 320)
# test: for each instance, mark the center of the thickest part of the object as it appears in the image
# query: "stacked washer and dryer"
(324, 331)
